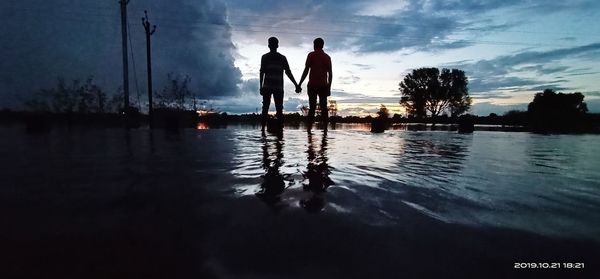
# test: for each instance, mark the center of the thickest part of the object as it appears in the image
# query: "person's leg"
(324, 107)
(312, 104)
(265, 109)
(278, 97)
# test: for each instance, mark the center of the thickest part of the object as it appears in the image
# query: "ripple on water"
(487, 178)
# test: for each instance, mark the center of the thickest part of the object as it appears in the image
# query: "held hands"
(298, 88)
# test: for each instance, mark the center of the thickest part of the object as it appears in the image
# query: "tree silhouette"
(564, 104)
(429, 90)
(383, 112)
(78, 97)
(556, 111)
(174, 94)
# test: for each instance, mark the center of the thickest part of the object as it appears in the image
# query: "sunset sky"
(509, 49)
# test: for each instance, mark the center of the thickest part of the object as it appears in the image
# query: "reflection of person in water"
(273, 183)
(317, 173)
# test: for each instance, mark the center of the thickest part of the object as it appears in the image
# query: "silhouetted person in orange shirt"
(319, 81)
(272, 66)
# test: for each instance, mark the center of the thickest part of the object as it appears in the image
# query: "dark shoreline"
(41, 122)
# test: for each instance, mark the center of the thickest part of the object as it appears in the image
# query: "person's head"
(318, 43)
(273, 43)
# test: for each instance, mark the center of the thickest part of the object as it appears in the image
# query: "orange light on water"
(202, 126)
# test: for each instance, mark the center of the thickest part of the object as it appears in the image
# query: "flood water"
(342, 203)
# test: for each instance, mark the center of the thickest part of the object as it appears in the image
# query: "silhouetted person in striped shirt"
(272, 66)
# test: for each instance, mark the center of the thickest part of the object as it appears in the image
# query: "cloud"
(363, 67)
(359, 111)
(359, 25)
(499, 73)
(554, 87)
(591, 94)
(369, 100)
(384, 26)
(593, 104)
(485, 108)
(42, 40)
(351, 79)
(543, 69)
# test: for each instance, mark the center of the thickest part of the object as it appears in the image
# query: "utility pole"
(125, 62)
(149, 33)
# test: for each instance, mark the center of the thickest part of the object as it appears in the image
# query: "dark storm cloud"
(42, 40)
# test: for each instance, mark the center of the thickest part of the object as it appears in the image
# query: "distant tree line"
(428, 94)
(85, 96)
(76, 96)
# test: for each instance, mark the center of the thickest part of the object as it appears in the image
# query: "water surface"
(338, 204)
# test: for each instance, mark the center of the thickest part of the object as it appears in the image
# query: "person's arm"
(305, 73)
(261, 76)
(291, 77)
(329, 77)
(289, 74)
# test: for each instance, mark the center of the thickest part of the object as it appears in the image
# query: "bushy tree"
(78, 97)
(551, 111)
(429, 90)
(563, 104)
(383, 112)
(175, 93)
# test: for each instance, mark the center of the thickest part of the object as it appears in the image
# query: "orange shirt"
(320, 64)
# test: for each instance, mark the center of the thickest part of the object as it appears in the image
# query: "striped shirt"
(272, 66)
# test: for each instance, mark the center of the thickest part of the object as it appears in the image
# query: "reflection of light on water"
(339, 208)
(479, 179)
(202, 126)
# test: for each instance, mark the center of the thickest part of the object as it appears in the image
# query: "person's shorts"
(271, 91)
(319, 90)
